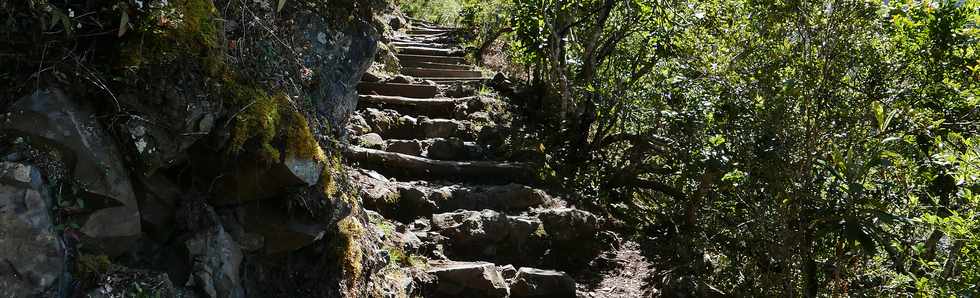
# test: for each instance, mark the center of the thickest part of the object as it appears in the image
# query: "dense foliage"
(807, 147)
(768, 147)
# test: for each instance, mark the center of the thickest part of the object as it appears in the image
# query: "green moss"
(300, 142)
(327, 181)
(271, 123)
(351, 254)
(88, 268)
(398, 257)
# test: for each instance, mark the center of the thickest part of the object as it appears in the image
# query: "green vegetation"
(351, 254)
(89, 268)
(788, 148)
(437, 11)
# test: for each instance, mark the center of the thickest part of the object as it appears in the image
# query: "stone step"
(431, 59)
(407, 201)
(552, 237)
(485, 279)
(412, 43)
(443, 35)
(429, 51)
(414, 167)
(437, 148)
(428, 31)
(430, 65)
(398, 89)
(448, 80)
(390, 124)
(440, 73)
(431, 107)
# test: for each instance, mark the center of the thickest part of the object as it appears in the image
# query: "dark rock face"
(214, 256)
(341, 56)
(52, 117)
(158, 201)
(175, 111)
(530, 282)
(33, 254)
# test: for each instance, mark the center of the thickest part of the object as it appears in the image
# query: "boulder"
(375, 190)
(215, 263)
(253, 180)
(410, 147)
(502, 197)
(158, 202)
(281, 229)
(439, 128)
(339, 54)
(303, 170)
(402, 79)
(487, 233)
(453, 149)
(467, 279)
(358, 125)
(568, 224)
(371, 140)
(34, 257)
(176, 112)
(50, 116)
(530, 282)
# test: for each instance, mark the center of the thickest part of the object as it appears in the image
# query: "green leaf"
(280, 5)
(879, 111)
(716, 140)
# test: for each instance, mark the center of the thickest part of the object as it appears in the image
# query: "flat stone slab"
(413, 43)
(439, 107)
(431, 59)
(441, 73)
(431, 65)
(427, 31)
(429, 51)
(468, 279)
(531, 282)
(405, 165)
(398, 89)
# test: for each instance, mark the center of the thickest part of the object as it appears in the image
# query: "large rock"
(531, 282)
(50, 117)
(468, 279)
(503, 197)
(376, 190)
(568, 224)
(252, 180)
(371, 140)
(158, 200)
(214, 256)
(174, 112)
(339, 54)
(490, 234)
(282, 229)
(34, 257)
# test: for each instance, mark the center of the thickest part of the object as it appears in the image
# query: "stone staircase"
(487, 231)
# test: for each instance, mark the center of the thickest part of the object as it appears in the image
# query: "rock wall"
(183, 148)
